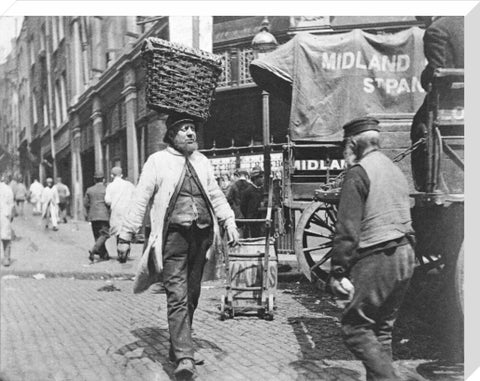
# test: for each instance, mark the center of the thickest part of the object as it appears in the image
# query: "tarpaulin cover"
(331, 79)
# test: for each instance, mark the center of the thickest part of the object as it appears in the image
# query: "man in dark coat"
(236, 197)
(372, 259)
(444, 48)
(251, 203)
(96, 211)
(236, 190)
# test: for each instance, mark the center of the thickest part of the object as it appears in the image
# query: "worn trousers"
(380, 281)
(184, 258)
(101, 233)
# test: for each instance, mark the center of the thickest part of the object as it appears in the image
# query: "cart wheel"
(314, 239)
(458, 282)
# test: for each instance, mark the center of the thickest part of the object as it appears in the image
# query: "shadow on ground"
(427, 329)
(153, 344)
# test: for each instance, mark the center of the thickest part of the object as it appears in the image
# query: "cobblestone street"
(74, 325)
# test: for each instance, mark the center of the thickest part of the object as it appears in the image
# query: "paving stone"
(68, 329)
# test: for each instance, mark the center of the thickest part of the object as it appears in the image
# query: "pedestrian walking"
(118, 197)
(96, 211)
(50, 199)
(372, 258)
(238, 197)
(64, 199)
(35, 195)
(187, 208)
(236, 189)
(20, 196)
(7, 205)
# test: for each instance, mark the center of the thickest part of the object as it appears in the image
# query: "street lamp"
(263, 43)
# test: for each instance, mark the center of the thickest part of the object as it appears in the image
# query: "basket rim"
(150, 42)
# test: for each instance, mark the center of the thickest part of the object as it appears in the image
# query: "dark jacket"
(443, 46)
(250, 205)
(234, 197)
(94, 203)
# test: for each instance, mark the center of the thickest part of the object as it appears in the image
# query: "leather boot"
(185, 369)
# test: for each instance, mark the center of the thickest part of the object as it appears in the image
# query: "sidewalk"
(64, 253)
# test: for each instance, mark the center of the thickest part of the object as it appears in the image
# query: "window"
(31, 50)
(34, 109)
(63, 97)
(54, 33)
(58, 112)
(45, 112)
(42, 38)
(61, 33)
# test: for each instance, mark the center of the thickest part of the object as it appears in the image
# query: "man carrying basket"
(187, 207)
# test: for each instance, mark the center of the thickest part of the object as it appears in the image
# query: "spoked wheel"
(458, 282)
(314, 239)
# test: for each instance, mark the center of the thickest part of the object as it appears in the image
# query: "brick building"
(76, 97)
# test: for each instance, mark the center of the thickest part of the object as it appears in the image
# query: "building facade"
(75, 101)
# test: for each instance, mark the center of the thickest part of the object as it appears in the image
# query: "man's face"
(349, 153)
(186, 139)
(49, 183)
(259, 180)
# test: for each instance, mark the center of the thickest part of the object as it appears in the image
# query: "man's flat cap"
(175, 118)
(358, 125)
(256, 172)
(241, 171)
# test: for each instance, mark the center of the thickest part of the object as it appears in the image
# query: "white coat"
(36, 190)
(118, 197)
(50, 200)
(160, 175)
(6, 210)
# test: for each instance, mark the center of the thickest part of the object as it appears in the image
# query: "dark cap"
(175, 118)
(256, 172)
(358, 125)
(241, 171)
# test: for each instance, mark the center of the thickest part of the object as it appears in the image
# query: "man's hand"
(342, 288)
(233, 238)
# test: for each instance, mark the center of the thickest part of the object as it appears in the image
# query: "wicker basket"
(179, 79)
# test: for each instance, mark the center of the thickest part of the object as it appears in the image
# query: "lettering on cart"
(319, 165)
(375, 64)
(393, 86)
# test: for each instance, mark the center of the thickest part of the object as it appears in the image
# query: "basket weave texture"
(178, 78)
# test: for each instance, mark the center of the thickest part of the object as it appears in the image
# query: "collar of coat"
(173, 151)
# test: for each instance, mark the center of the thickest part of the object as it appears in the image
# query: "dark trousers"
(380, 281)
(183, 262)
(62, 211)
(101, 232)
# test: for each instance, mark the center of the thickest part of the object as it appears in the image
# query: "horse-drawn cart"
(313, 160)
